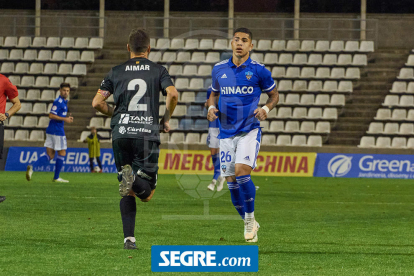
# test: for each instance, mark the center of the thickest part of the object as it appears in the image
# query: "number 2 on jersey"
(142, 89)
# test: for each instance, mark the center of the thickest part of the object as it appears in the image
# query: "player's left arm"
(268, 85)
(261, 112)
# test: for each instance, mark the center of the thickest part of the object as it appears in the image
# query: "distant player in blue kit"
(55, 135)
(213, 144)
(239, 82)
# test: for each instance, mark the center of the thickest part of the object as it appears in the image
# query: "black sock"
(91, 164)
(99, 162)
(128, 212)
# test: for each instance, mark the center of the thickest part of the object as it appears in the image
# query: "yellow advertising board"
(268, 163)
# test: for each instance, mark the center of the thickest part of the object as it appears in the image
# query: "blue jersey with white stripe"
(240, 89)
(215, 123)
(59, 108)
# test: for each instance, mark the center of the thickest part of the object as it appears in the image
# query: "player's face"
(241, 44)
(64, 92)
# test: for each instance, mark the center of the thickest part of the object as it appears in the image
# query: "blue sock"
(216, 162)
(236, 197)
(248, 192)
(59, 165)
(43, 160)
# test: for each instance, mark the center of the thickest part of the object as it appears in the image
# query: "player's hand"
(164, 126)
(69, 119)
(260, 114)
(211, 115)
(2, 117)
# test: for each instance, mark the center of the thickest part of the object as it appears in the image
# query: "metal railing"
(59, 25)
(264, 28)
(197, 27)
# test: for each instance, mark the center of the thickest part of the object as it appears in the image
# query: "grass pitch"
(309, 226)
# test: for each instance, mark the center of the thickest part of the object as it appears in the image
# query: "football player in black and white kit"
(135, 124)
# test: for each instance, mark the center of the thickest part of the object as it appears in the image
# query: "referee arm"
(261, 112)
(15, 107)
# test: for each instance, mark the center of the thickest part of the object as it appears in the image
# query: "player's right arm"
(213, 100)
(99, 101)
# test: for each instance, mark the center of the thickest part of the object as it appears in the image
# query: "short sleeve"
(266, 82)
(107, 86)
(165, 80)
(215, 86)
(55, 108)
(11, 90)
(208, 92)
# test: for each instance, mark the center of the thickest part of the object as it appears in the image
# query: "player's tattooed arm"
(100, 104)
(171, 102)
(261, 112)
(211, 103)
(273, 99)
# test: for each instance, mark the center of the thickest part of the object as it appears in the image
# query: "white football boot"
(29, 172)
(251, 227)
(220, 181)
(212, 185)
(61, 180)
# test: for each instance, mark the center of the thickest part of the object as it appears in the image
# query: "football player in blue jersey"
(239, 82)
(213, 144)
(55, 135)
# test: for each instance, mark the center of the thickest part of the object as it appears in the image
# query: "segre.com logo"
(209, 258)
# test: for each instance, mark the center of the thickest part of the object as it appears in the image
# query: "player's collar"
(63, 99)
(245, 64)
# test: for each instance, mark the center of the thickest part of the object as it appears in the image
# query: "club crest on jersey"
(249, 75)
(223, 168)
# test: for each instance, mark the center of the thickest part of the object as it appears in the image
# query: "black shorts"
(1, 139)
(140, 154)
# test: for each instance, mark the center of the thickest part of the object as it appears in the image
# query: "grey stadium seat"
(399, 142)
(206, 44)
(81, 42)
(53, 42)
(39, 41)
(24, 42)
(88, 56)
(10, 41)
(95, 43)
(322, 46)
(367, 142)
(67, 42)
(299, 140)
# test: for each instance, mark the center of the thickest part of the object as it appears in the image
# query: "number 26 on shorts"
(225, 157)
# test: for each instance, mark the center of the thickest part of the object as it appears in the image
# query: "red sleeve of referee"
(10, 90)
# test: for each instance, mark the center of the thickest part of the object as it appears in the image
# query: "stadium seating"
(314, 79)
(37, 66)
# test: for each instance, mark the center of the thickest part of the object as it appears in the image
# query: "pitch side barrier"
(171, 161)
(183, 161)
(364, 165)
